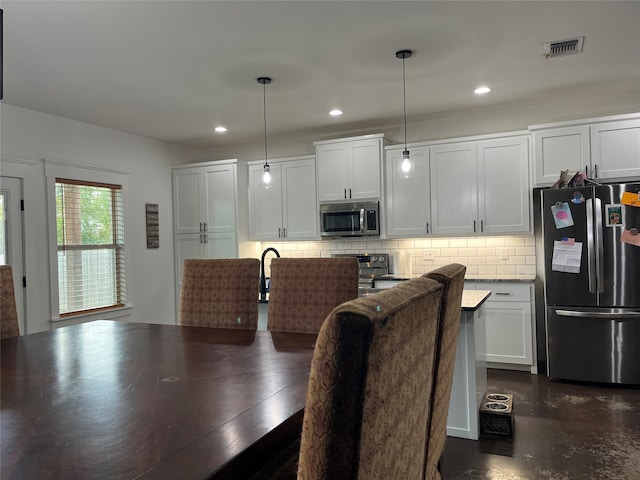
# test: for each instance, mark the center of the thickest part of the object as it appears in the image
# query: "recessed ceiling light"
(482, 90)
(220, 129)
(335, 112)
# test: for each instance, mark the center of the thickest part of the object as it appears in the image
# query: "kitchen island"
(470, 371)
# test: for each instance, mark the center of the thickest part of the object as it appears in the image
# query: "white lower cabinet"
(510, 324)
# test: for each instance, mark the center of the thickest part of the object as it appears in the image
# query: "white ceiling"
(175, 70)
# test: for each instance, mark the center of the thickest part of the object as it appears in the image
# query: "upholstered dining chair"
(369, 395)
(220, 293)
(302, 291)
(8, 311)
(452, 277)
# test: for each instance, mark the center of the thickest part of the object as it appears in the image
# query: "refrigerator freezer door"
(619, 277)
(594, 345)
(564, 288)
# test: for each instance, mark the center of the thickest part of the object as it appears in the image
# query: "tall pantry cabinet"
(205, 212)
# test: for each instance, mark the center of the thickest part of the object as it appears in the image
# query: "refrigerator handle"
(591, 251)
(607, 315)
(599, 245)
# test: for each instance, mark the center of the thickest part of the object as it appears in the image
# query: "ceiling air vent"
(563, 47)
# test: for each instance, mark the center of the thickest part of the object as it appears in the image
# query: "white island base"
(470, 372)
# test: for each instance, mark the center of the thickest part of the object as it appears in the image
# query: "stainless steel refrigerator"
(592, 282)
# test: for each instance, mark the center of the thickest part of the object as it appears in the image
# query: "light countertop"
(473, 299)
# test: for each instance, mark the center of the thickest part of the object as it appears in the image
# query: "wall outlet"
(504, 254)
(428, 254)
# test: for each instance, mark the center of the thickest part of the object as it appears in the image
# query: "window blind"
(90, 241)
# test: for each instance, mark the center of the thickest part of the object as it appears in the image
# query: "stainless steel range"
(372, 266)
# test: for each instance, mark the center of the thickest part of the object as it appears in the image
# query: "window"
(90, 246)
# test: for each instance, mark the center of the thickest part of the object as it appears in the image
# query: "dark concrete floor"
(562, 431)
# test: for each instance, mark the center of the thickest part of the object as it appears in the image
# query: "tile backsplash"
(500, 256)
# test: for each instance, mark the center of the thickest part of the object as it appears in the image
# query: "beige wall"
(584, 103)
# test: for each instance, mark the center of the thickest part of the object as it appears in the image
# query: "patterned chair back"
(369, 396)
(452, 277)
(220, 293)
(303, 291)
(8, 312)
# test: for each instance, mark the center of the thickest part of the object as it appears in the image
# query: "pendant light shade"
(406, 168)
(266, 174)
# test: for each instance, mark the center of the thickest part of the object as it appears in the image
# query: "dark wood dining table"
(115, 400)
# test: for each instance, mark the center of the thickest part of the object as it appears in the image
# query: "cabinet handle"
(284, 232)
(349, 193)
(205, 226)
(427, 227)
(503, 293)
(586, 170)
(201, 239)
(482, 225)
(474, 226)
(206, 239)
(278, 232)
(200, 226)
(595, 170)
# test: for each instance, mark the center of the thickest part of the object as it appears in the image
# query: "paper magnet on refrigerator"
(562, 215)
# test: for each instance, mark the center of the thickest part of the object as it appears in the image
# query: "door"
(220, 207)
(364, 164)
(186, 201)
(299, 209)
(408, 199)
(332, 172)
(615, 149)
(454, 189)
(11, 239)
(619, 264)
(503, 185)
(564, 216)
(265, 204)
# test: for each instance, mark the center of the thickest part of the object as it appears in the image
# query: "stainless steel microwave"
(350, 219)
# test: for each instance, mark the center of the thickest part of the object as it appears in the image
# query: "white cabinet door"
(503, 185)
(454, 195)
(221, 245)
(299, 207)
(265, 204)
(365, 166)
(349, 169)
(509, 322)
(220, 200)
(332, 171)
(615, 149)
(408, 199)
(508, 332)
(186, 201)
(557, 149)
(288, 209)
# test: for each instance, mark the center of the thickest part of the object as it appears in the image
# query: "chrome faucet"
(263, 278)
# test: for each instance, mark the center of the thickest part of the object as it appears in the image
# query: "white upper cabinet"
(503, 185)
(205, 198)
(349, 168)
(287, 210)
(480, 187)
(559, 149)
(605, 149)
(408, 199)
(454, 190)
(615, 149)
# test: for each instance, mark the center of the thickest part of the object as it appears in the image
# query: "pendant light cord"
(264, 110)
(404, 103)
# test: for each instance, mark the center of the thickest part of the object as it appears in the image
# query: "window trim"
(85, 175)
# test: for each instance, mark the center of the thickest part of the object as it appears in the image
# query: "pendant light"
(266, 174)
(405, 165)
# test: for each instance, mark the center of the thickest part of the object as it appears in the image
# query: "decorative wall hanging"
(153, 227)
